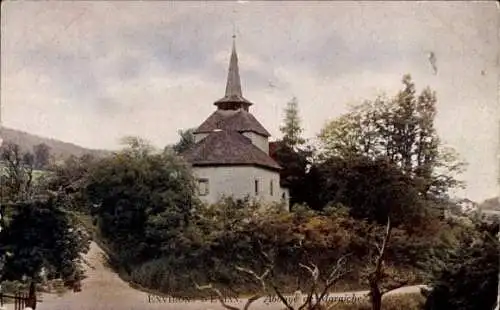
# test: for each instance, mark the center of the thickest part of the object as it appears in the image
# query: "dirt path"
(104, 290)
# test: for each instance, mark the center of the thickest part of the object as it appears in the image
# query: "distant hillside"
(492, 204)
(58, 148)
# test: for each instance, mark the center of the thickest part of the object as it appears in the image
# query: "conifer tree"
(291, 129)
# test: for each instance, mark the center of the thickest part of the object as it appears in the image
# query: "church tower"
(231, 152)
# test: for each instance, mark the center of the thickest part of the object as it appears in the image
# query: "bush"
(42, 235)
(144, 201)
(470, 279)
(232, 234)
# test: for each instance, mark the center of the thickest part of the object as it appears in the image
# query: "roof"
(232, 120)
(230, 148)
(273, 148)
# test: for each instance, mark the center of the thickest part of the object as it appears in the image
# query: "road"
(103, 289)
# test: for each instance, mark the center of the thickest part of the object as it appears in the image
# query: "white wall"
(239, 182)
(285, 193)
(259, 141)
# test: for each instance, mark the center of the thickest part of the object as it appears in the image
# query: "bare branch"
(377, 275)
(267, 258)
(314, 271)
(251, 300)
(281, 297)
(381, 257)
(259, 278)
(334, 276)
(335, 272)
(218, 293)
(379, 249)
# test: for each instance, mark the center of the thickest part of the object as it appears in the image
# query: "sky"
(92, 72)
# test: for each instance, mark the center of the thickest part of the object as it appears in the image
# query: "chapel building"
(231, 152)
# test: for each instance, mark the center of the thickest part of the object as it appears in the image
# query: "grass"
(413, 301)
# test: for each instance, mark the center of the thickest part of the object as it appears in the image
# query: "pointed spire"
(233, 98)
(233, 86)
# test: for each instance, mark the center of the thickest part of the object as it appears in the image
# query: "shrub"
(229, 234)
(470, 279)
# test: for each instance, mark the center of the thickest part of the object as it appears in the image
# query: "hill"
(492, 204)
(58, 149)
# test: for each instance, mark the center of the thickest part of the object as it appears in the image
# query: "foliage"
(400, 129)
(294, 175)
(42, 155)
(143, 199)
(17, 175)
(40, 234)
(70, 177)
(470, 278)
(295, 157)
(372, 190)
(229, 234)
(186, 140)
(291, 128)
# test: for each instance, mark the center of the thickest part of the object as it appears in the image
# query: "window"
(271, 189)
(256, 187)
(203, 187)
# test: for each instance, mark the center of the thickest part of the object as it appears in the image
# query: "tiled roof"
(228, 148)
(232, 120)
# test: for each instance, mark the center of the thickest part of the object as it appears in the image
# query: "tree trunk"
(376, 296)
(497, 306)
(377, 274)
(31, 302)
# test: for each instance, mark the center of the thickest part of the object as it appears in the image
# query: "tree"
(186, 140)
(70, 178)
(402, 130)
(470, 279)
(42, 155)
(144, 200)
(371, 189)
(17, 179)
(294, 156)
(294, 176)
(291, 128)
(383, 279)
(42, 235)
